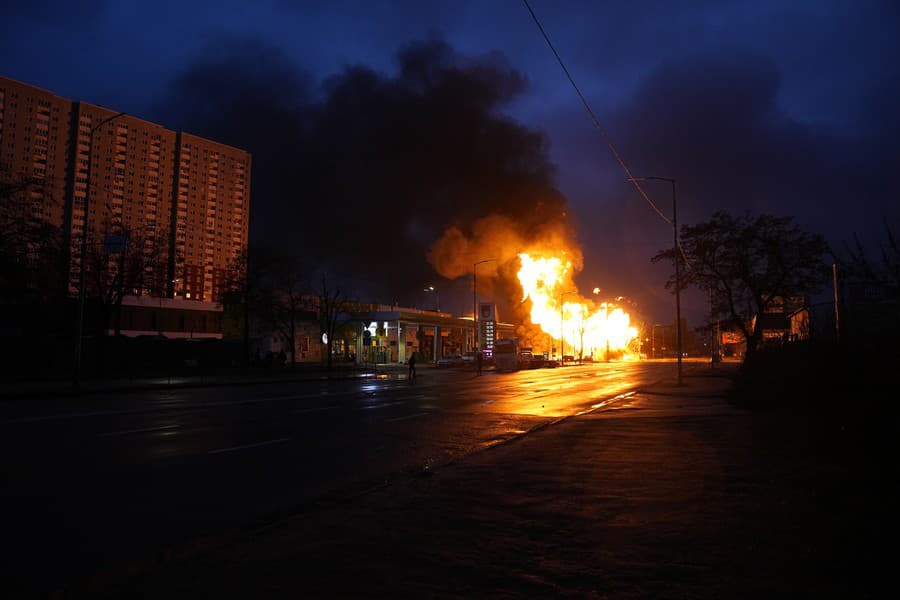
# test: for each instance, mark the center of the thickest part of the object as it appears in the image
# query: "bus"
(510, 356)
(506, 354)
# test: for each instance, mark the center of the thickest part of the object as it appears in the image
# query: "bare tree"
(333, 306)
(884, 273)
(31, 248)
(247, 284)
(284, 295)
(748, 264)
(127, 262)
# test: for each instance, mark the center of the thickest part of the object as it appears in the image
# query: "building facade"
(184, 199)
(127, 166)
(212, 209)
(35, 133)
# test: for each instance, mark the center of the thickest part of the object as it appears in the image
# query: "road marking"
(374, 406)
(314, 409)
(605, 403)
(245, 446)
(126, 432)
(407, 417)
(150, 409)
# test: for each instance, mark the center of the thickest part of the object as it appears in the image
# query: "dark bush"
(819, 374)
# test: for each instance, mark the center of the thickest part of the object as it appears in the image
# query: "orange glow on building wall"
(192, 192)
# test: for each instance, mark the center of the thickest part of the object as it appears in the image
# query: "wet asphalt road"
(93, 484)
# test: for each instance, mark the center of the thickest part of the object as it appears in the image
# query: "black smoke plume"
(364, 173)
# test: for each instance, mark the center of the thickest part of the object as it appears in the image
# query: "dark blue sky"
(782, 107)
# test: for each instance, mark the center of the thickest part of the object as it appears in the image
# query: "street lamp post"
(437, 296)
(436, 337)
(475, 299)
(677, 267)
(76, 378)
(562, 339)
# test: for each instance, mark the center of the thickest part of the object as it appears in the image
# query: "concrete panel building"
(132, 177)
(183, 197)
(212, 215)
(35, 129)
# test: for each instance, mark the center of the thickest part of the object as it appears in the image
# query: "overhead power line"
(594, 119)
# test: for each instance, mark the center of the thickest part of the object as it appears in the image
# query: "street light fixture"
(677, 268)
(475, 297)
(437, 295)
(84, 235)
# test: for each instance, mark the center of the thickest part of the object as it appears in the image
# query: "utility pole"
(712, 342)
(76, 376)
(677, 280)
(677, 266)
(562, 339)
(837, 316)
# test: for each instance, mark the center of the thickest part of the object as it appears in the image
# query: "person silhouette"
(412, 366)
(479, 360)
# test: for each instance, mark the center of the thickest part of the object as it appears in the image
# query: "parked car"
(540, 362)
(451, 360)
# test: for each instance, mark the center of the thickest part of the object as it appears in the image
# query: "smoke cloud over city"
(398, 178)
(386, 179)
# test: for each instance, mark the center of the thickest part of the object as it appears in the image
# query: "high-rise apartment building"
(35, 129)
(211, 214)
(183, 197)
(131, 173)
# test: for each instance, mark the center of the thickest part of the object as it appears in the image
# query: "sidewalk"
(670, 493)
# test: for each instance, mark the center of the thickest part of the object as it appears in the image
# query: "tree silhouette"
(32, 256)
(885, 272)
(127, 262)
(748, 264)
(333, 306)
(285, 295)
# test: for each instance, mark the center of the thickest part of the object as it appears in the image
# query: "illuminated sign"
(486, 327)
(486, 311)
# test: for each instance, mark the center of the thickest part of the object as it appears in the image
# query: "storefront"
(386, 336)
(392, 335)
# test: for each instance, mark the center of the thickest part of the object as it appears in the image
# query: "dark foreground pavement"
(673, 493)
(55, 388)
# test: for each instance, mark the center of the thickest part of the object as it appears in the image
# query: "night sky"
(789, 108)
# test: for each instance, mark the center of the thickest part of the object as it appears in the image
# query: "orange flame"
(587, 328)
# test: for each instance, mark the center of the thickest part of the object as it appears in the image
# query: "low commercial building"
(170, 317)
(377, 333)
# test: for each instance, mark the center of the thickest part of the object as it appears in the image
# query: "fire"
(556, 307)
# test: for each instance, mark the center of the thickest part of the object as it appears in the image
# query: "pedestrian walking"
(412, 366)
(479, 360)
